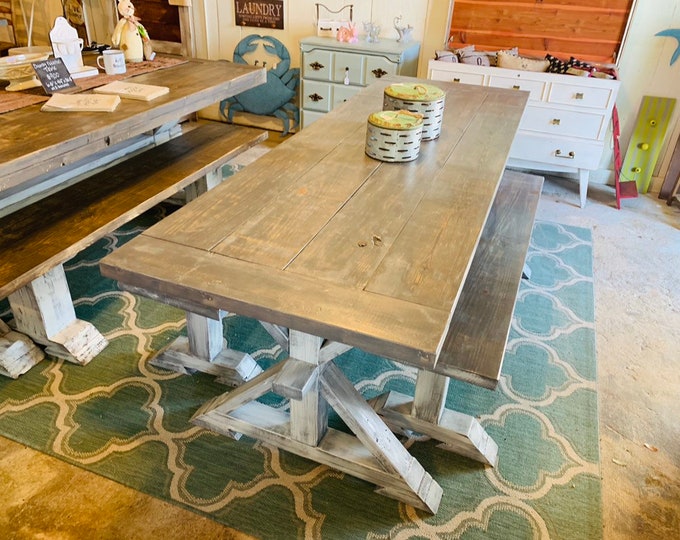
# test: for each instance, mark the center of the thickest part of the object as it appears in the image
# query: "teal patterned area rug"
(126, 420)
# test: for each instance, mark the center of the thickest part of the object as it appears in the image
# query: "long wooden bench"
(474, 347)
(36, 240)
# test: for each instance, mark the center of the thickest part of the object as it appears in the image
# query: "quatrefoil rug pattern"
(129, 421)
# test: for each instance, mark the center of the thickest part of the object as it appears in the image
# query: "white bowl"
(17, 69)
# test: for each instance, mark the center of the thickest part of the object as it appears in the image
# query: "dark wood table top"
(319, 237)
(35, 144)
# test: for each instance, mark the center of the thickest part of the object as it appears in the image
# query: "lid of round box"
(414, 92)
(400, 120)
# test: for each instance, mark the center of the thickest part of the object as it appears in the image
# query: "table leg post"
(426, 413)
(205, 350)
(309, 414)
(429, 398)
(43, 310)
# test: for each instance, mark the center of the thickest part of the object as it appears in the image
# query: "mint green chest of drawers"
(333, 71)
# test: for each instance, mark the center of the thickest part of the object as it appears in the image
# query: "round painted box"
(424, 99)
(394, 135)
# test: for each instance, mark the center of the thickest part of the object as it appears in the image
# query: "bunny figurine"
(130, 35)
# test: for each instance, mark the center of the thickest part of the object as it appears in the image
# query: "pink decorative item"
(348, 34)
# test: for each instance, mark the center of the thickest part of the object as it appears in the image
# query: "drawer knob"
(578, 95)
(515, 86)
(315, 97)
(316, 66)
(379, 73)
(570, 155)
(456, 79)
(555, 121)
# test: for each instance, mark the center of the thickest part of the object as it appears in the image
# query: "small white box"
(329, 26)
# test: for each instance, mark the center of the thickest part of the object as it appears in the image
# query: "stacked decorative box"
(411, 113)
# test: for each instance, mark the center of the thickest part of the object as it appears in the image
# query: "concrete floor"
(637, 291)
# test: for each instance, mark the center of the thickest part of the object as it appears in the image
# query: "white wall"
(644, 63)
(221, 35)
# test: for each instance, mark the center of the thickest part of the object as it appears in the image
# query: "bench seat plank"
(475, 344)
(49, 232)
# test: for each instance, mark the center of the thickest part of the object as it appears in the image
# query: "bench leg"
(202, 185)
(204, 349)
(43, 310)
(425, 413)
(18, 353)
(311, 384)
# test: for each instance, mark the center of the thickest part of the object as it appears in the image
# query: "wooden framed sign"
(53, 75)
(259, 13)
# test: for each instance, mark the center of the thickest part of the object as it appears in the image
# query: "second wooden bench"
(36, 240)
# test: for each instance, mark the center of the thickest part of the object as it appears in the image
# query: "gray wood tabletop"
(319, 237)
(35, 144)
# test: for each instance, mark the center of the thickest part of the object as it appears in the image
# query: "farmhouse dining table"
(331, 249)
(43, 152)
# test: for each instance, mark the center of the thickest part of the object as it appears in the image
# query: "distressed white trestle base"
(43, 310)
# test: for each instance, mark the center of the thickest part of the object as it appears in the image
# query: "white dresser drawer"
(458, 77)
(565, 123)
(536, 88)
(581, 96)
(559, 151)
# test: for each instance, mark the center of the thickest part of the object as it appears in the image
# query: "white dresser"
(333, 71)
(564, 126)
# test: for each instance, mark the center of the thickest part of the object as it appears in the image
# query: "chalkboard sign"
(53, 75)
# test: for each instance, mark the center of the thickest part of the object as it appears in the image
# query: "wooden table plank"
(294, 226)
(378, 324)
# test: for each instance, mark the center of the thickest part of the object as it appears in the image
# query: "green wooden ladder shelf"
(645, 144)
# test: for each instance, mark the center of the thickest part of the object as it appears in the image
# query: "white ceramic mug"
(114, 61)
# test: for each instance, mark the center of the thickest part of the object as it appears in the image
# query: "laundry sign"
(259, 13)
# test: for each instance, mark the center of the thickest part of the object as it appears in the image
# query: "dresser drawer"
(559, 151)
(342, 93)
(458, 77)
(564, 123)
(581, 96)
(308, 117)
(317, 64)
(350, 67)
(536, 88)
(316, 95)
(378, 67)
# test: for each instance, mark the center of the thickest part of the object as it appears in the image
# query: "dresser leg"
(583, 185)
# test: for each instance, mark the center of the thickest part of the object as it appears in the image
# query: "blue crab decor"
(275, 97)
